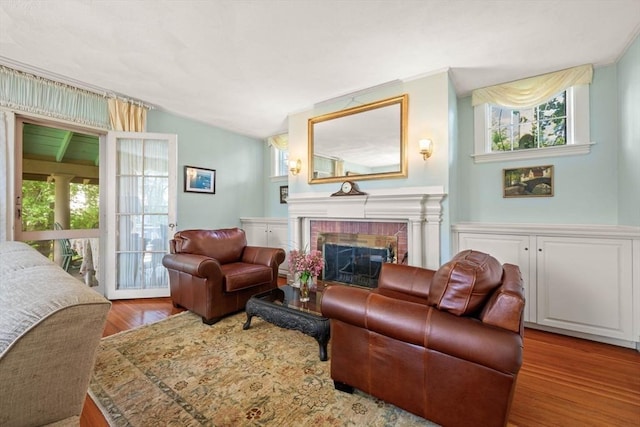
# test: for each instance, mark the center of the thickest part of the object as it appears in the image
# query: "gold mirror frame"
(401, 101)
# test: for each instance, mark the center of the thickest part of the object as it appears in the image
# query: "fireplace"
(413, 215)
(357, 257)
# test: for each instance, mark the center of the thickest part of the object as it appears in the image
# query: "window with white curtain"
(143, 181)
(279, 148)
(543, 116)
(281, 158)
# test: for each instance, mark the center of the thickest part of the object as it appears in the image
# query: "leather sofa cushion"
(224, 245)
(240, 275)
(462, 286)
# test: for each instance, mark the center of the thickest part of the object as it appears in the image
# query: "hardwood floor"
(563, 381)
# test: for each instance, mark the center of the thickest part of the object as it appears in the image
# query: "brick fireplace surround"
(418, 208)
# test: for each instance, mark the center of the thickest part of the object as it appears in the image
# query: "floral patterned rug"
(181, 372)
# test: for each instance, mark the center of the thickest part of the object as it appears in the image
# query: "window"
(281, 162)
(543, 116)
(544, 125)
(279, 149)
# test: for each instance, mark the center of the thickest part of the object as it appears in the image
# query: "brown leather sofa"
(445, 345)
(214, 273)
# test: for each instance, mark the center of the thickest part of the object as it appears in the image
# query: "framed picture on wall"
(533, 181)
(284, 193)
(199, 180)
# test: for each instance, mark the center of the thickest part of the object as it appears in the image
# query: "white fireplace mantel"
(419, 207)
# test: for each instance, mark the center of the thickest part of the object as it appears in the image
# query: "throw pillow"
(462, 285)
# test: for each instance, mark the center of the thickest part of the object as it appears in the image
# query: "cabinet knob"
(526, 249)
(540, 250)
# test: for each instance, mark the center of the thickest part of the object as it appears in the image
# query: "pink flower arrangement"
(307, 265)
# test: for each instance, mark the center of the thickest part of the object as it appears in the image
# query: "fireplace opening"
(356, 259)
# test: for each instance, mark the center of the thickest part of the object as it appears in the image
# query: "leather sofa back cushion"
(407, 280)
(462, 286)
(224, 245)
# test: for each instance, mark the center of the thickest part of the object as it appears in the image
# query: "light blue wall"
(585, 186)
(272, 206)
(629, 124)
(238, 161)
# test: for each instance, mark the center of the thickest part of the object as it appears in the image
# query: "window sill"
(281, 178)
(535, 153)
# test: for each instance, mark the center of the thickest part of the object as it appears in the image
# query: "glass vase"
(305, 286)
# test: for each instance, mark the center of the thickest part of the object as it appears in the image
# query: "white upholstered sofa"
(50, 329)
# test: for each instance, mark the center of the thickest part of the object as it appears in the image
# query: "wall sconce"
(295, 166)
(426, 148)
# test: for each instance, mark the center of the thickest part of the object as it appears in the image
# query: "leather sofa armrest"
(196, 265)
(462, 337)
(505, 308)
(263, 255)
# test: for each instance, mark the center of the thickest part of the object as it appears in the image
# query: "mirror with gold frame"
(363, 142)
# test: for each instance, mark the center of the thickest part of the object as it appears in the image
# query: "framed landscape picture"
(199, 180)
(533, 181)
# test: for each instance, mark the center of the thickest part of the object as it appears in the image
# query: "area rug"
(181, 372)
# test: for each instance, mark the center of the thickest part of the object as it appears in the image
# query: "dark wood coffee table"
(282, 307)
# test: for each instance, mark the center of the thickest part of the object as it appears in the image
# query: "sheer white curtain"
(4, 177)
(129, 191)
(142, 191)
(156, 208)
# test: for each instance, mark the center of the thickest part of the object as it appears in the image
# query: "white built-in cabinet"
(580, 280)
(511, 249)
(269, 232)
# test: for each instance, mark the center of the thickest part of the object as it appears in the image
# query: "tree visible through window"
(38, 200)
(544, 125)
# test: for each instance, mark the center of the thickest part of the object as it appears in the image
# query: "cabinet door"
(585, 285)
(508, 249)
(277, 237)
(256, 233)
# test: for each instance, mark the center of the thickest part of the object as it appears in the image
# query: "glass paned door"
(141, 206)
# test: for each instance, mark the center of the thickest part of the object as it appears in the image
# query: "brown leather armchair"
(214, 273)
(445, 345)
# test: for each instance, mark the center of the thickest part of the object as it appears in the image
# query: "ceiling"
(245, 65)
(47, 151)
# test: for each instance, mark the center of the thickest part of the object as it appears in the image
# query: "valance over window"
(532, 91)
(25, 92)
(281, 142)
